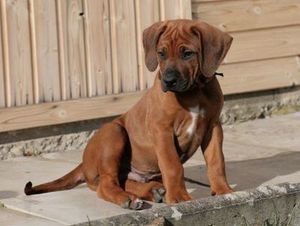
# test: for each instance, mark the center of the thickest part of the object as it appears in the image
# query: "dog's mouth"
(178, 86)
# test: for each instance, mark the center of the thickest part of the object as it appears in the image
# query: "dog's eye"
(161, 54)
(187, 54)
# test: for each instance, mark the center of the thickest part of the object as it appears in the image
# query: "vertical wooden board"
(98, 54)
(147, 14)
(186, 9)
(34, 58)
(47, 50)
(64, 62)
(113, 32)
(175, 9)
(74, 52)
(61, 50)
(201, 1)
(124, 45)
(5, 54)
(170, 9)
(19, 52)
(2, 91)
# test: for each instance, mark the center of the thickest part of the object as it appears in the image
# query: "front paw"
(158, 194)
(177, 196)
(133, 204)
(221, 191)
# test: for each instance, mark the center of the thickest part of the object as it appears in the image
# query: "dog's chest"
(190, 131)
(192, 124)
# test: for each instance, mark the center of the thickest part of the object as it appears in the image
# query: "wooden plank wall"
(55, 50)
(58, 58)
(68, 60)
(266, 47)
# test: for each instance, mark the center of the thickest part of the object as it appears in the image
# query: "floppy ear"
(214, 47)
(150, 39)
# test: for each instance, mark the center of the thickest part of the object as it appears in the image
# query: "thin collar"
(205, 79)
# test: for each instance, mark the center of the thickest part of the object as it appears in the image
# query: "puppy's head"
(184, 50)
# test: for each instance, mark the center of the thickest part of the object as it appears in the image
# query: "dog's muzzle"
(172, 81)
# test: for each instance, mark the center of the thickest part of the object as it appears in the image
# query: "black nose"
(170, 82)
(170, 78)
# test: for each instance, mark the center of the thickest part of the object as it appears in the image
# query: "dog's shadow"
(245, 174)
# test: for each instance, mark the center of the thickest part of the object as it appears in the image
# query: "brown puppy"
(139, 155)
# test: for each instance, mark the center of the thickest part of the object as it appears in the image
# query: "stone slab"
(17, 172)
(13, 218)
(66, 207)
(280, 132)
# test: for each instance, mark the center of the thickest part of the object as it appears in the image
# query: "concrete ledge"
(266, 205)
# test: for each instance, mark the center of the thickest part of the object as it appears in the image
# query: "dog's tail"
(70, 180)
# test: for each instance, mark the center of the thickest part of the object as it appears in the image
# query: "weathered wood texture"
(5, 82)
(19, 53)
(260, 75)
(146, 12)
(2, 78)
(54, 50)
(66, 111)
(247, 15)
(98, 54)
(73, 48)
(266, 45)
(69, 56)
(62, 50)
(47, 50)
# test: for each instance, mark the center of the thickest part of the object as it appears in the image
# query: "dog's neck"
(204, 79)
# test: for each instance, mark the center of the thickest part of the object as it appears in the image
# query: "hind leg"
(152, 191)
(103, 158)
